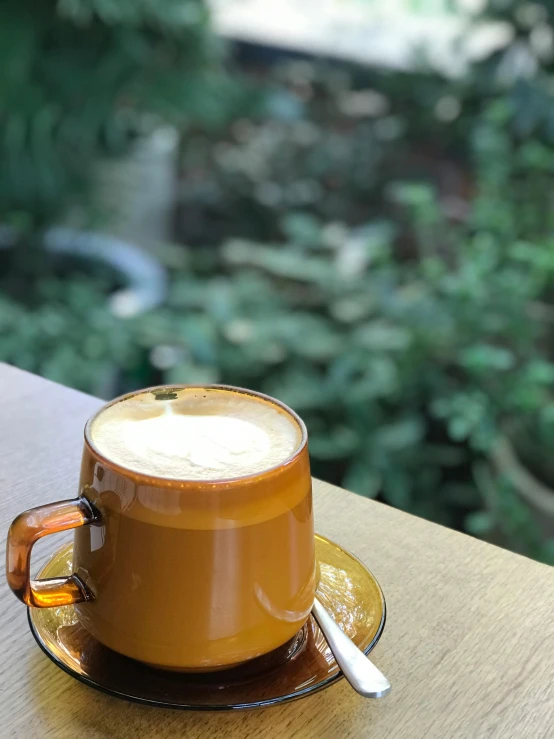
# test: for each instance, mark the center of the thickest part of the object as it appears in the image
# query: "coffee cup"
(194, 543)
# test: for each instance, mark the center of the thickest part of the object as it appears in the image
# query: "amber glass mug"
(182, 574)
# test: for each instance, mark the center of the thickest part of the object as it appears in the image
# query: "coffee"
(196, 434)
(230, 594)
(194, 540)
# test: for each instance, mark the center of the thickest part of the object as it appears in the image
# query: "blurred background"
(347, 204)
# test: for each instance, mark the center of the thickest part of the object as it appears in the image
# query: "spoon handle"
(360, 672)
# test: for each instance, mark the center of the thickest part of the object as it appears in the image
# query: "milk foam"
(202, 434)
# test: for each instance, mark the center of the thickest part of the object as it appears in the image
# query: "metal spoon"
(360, 672)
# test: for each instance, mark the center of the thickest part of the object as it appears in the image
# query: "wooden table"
(468, 646)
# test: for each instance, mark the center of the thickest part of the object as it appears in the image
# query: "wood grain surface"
(468, 646)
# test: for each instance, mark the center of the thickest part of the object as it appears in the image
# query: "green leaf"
(479, 523)
(398, 488)
(459, 428)
(335, 443)
(301, 228)
(401, 434)
(382, 336)
(487, 357)
(362, 480)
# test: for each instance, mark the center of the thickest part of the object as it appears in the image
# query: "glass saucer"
(305, 665)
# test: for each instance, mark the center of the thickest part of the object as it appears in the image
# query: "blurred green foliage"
(50, 338)
(329, 139)
(404, 373)
(413, 368)
(391, 270)
(79, 79)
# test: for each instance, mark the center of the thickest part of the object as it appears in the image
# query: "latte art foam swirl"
(202, 434)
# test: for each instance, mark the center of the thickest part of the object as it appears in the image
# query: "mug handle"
(24, 532)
